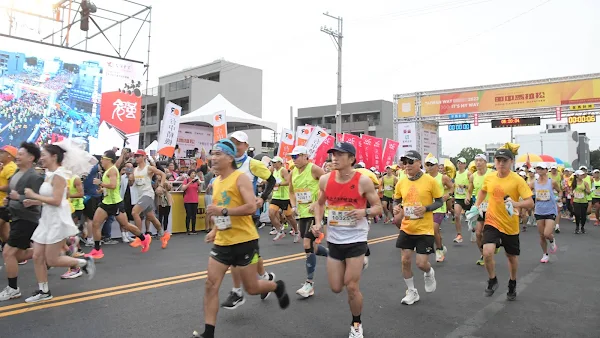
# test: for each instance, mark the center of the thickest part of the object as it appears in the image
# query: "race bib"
(275, 188)
(542, 195)
(459, 190)
(222, 222)
(568, 196)
(409, 212)
(483, 206)
(339, 216)
(579, 194)
(597, 192)
(139, 181)
(104, 192)
(303, 197)
(389, 188)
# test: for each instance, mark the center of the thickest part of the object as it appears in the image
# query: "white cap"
(596, 171)
(583, 168)
(522, 173)
(240, 136)
(531, 170)
(579, 172)
(569, 169)
(373, 169)
(299, 150)
(277, 159)
(432, 160)
(542, 165)
(554, 166)
(361, 164)
(481, 157)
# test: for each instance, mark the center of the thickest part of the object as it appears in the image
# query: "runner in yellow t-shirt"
(416, 197)
(504, 189)
(7, 160)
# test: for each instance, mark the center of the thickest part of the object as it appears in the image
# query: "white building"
(558, 140)
(490, 150)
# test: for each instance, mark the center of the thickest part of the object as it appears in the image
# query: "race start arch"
(572, 99)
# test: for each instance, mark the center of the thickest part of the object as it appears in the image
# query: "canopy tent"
(237, 119)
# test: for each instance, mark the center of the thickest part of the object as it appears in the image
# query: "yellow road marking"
(141, 286)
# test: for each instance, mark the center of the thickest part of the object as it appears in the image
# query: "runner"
(504, 189)
(475, 184)
(445, 183)
(112, 205)
(461, 186)
(545, 209)
(416, 197)
(255, 170)
(303, 195)
(142, 175)
(581, 189)
(280, 201)
(388, 182)
(346, 193)
(588, 179)
(557, 178)
(7, 160)
(596, 194)
(24, 220)
(235, 236)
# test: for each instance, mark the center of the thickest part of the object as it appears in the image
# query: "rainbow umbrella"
(533, 158)
(548, 159)
(558, 160)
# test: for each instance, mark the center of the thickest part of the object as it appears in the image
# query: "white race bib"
(459, 190)
(542, 195)
(579, 195)
(483, 206)
(222, 222)
(303, 197)
(409, 212)
(340, 217)
(597, 192)
(389, 188)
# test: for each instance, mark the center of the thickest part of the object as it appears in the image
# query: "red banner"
(121, 110)
(321, 154)
(389, 153)
(357, 142)
(373, 151)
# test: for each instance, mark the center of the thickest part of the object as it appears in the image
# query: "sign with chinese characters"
(321, 154)
(169, 130)
(389, 152)
(190, 137)
(286, 143)
(317, 137)
(407, 136)
(429, 139)
(219, 126)
(373, 151)
(585, 106)
(302, 134)
(516, 122)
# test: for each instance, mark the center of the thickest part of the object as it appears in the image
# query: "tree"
(468, 153)
(595, 158)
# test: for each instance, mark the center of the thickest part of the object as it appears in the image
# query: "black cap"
(343, 147)
(504, 153)
(412, 154)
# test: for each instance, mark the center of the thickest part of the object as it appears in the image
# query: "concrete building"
(192, 88)
(490, 151)
(374, 118)
(558, 140)
(11, 63)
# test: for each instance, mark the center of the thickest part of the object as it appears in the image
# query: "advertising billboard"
(49, 92)
(406, 107)
(525, 97)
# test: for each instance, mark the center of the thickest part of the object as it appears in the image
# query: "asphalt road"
(159, 294)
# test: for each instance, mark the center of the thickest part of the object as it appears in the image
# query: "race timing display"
(516, 122)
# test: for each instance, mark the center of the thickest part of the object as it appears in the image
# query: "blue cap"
(226, 146)
(343, 147)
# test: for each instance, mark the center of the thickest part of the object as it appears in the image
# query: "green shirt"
(306, 190)
(282, 192)
(112, 196)
(461, 184)
(440, 181)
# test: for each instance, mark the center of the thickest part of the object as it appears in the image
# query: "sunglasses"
(295, 156)
(406, 161)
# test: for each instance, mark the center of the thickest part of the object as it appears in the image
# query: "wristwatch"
(225, 212)
(367, 212)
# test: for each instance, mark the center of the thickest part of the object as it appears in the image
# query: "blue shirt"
(89, 188)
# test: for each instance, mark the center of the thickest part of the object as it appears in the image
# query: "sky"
(390, 47)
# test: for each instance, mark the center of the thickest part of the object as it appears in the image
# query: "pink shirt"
(190, 195)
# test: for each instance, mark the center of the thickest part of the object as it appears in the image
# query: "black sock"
(279, 288)
(551, 241)
(512, 282)
(97, 245)
(12, 282)
(495, 279)
(141, 237)
(209, 331)
(355, 319)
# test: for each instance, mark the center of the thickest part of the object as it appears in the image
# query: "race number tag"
(597, 192)
(409, 211)
(460, 190)
(303, 196)
(104, 192)
(389, 188)
(222, 222)
(542, 195)
(483, 207)
(579, 195)
(339, 216)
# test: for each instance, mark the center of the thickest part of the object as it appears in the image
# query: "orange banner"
(526, 97)
(302, 134)
(406, 107)
(286, 143)
(219, 126)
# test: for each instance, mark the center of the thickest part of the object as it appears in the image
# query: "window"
(373, 119)
(330, 119)
(345, 118)
(360, 117)
(372, 133)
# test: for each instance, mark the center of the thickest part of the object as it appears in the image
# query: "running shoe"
(473, 237)
(23, 262)
(270, 277)
(512, 290)
(72, 273)
(233, 301)
(136, 243)
(146, 243)
(480, 261)
(553, 247)
(39, 296)
(109, 241)
(96, 254)
(491, 287)
(430, 283)
(9, 293)
(165, 239)
(356, 331)
(306, 290)
(458, 239)
(279, 235)
(412, 296)
(545, 258)
(273, 232)
(296, 237)
(283, 299)
(90, 267)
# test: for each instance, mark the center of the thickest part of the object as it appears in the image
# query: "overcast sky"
(390, 47)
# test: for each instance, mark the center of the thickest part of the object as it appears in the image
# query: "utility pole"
(337, 39)
(541, 145)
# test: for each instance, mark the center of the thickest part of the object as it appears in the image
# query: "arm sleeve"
(261, 171)
(437, 203)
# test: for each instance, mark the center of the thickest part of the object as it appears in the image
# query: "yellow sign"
(582, 106)
(582, 119)
(406, 107)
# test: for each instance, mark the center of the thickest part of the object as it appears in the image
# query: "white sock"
(238, 291)
(410, 283)
(43, 286)
(265, 276)
(430, 273)
(81, 262)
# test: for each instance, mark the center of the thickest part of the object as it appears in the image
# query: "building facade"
(194, 87)
(374, 118)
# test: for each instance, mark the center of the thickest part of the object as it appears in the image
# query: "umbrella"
(558, 160)
(547, 159)
(532, 158)
(567, 165)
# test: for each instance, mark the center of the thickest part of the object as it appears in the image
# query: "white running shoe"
(473, 237)
(306, 290)
(553, 247)
(124, 237)
(430, 283)
(10, 293)
(356, 331)
(296, 238)
(273, 232)
(412, 296)
(279, 236)
(545, 259)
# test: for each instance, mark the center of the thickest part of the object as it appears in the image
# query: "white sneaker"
(9, 293)
(430, 283)
(279, 236)
(365, 263)
(273, 232)
(356, 331)
(553, 247)
(306, 290)
(412, 296)
(296, 238)
(124, 237)
(545, 259)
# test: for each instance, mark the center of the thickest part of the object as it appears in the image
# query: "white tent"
(237, 119)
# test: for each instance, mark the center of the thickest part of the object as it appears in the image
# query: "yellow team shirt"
(259, 169)
(497, 188)
(421, 192)
(227, 195)
(371, 175)
(7, 172)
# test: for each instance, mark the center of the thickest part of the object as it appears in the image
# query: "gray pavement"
(559, 299)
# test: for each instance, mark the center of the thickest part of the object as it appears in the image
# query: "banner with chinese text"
(169, 130)
(286, 143)
(373, 153)
(219, 126)
(302, 134)
(317, 137)
(321, 155)
(357, 142)
(389, 153)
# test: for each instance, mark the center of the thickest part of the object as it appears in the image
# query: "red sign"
(357, 142)
(122, 111)
(558, 113)
(476, 119)
(389, 152)
(321, 154)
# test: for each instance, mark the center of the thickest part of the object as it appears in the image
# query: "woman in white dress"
(55, 223)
